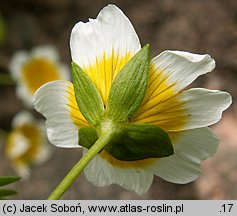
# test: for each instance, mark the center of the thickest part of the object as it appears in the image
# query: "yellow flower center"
(162, 105)
(38, 71)
(104, 71)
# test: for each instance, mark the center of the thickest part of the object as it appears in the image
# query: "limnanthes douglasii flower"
(26, 144)
(151, 125)
(32, 69)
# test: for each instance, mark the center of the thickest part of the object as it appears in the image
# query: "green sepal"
(87, 96)
(87, 137)
(140, 141)
(6, 192)
(5, 180)
(129, 87)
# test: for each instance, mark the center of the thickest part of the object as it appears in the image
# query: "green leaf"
(129, 87)
(5, 180)
(87, 96)
(87, 137)
(7, 192)
(141, 141)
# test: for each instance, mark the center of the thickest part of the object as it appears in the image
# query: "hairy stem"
(80, 165)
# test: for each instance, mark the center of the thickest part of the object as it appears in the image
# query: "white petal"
(101, 173)
(190, 148)
(164, 105)
(64, 71)
(17, 62)
(190, 109)
(22, 169)
(102, 46)
(180, 68)
(17, 145)
(43, 154)
(111, 31)
(204, 107)
(47, 51)
(21, 118)
(18, 142)
(52, 100)
(25, 95)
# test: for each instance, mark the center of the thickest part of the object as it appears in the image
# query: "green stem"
(80, 165)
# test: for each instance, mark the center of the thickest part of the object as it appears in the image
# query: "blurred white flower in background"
(32, 69)
(26, 144)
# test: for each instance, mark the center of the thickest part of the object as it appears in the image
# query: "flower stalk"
(80, 165)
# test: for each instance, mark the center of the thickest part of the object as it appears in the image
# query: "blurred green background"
(197, 26)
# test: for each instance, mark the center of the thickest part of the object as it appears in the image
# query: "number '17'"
(227, 207)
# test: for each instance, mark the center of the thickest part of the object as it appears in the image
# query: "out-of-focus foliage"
(3, 30)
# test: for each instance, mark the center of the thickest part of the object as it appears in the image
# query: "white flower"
(101, 47)
(26, 144)
(32, 69)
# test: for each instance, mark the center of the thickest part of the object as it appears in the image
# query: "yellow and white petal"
(26, 131)
(170, 72)
(191, 147)
(56, 101)
(176, 70)
(25, 143)
(102, 46)
(102, 173)
(190, 109)
(16, 145)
